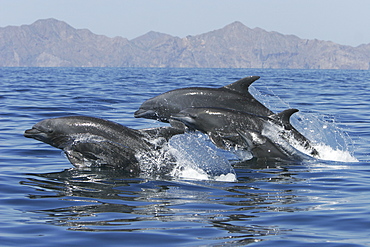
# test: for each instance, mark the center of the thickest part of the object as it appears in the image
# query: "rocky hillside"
(54, 43)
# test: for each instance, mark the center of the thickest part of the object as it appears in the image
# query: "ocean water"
(44, 201)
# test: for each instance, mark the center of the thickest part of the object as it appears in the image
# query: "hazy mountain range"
(53, 43)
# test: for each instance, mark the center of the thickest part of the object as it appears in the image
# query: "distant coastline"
(54, 43)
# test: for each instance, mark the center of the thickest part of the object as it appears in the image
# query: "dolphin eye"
(50, 131)
(192, 115)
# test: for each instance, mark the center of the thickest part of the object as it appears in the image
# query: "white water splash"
(328, 153)
(198, 159)
(189, 156)
(330, 141)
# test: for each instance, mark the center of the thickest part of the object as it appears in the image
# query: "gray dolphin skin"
(265, 149)
(227, 127)
(233, 96)
(93, 140)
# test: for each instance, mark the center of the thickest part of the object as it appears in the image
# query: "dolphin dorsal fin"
(284, 116)
(242, 85)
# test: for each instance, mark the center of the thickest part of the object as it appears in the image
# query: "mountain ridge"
(54, 43)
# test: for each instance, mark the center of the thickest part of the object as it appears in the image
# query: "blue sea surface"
(45, 201)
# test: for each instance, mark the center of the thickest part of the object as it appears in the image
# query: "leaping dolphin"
(97, 141)
(233, 96)
(227, 127)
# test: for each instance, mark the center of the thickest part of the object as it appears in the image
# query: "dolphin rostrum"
(227, 128)
(233, 96)
(90, 140)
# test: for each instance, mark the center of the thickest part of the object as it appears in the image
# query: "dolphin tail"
(242, 85)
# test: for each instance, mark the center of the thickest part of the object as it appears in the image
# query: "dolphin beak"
(36, 134)
(31, 133)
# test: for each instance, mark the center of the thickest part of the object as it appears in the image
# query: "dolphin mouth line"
(145, 114)
(31, 133)
(150, 114)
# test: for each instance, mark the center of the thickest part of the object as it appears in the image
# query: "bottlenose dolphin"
(227, 127)
(90, 140)
(233, 96)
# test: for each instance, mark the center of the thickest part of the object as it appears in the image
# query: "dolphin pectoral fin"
(233, 140)
(217, 140)
(242, 85)
(177, 124)
(75, 158)
(247, 138)
(102, 153)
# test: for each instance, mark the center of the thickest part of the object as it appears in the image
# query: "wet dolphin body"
(227, 127)
(233, 96)
(93, 140)
(263, 148)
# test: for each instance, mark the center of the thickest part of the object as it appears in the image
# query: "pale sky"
(345, 22)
